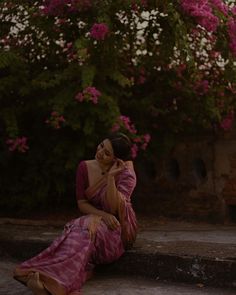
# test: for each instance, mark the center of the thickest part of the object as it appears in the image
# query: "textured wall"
(196, 180)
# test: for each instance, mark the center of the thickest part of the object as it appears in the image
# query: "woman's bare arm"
(113, 196)
(86, 208)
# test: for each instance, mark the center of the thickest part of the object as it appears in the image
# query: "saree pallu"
(69, 261)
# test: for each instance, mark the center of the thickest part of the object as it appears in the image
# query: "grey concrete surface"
(112, 285)
(178, 251)
(225, 236)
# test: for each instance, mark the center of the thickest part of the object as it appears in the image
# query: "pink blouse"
(81, 180)
(125, 182)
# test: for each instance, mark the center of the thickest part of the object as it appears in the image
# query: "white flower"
(155, 35)
(145, 14)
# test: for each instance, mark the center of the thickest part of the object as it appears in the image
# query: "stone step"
(113, 285)
(202, 254)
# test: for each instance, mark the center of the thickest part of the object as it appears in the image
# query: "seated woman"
(103, 187)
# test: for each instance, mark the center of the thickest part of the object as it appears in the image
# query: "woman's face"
(104, 153)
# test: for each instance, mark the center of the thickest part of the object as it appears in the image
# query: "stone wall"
(195, 181)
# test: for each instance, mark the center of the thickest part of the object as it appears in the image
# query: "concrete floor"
(112, 285)
(225, 236)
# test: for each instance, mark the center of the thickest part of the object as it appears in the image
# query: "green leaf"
(88, 73)
(120, 79)
(88, 126)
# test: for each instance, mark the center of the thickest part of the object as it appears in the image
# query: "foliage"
(70, 70)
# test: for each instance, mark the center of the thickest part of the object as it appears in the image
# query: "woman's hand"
(117, 167)
(93, 224)
(110, 220)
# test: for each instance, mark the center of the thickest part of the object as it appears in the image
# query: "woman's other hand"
(110, 220)
(117, 167)
(92, 226)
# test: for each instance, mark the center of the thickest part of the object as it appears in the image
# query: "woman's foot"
(35, 285)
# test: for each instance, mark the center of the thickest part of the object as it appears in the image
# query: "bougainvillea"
(18, 144)
(124, 124)
(88, 94)
(168, 65)
(99, 31)
(56, 120)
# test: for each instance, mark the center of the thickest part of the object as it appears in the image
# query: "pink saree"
(69, 261)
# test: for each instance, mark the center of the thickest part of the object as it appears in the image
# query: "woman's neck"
(104, 167)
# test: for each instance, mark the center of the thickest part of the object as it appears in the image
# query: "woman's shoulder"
(89, 163)
(130, 167)
(86, 162)
(129, 170)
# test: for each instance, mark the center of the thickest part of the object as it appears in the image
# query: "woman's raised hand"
(110, 220)
(117, 167)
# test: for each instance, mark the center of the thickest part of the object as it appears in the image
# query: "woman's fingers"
(92, 228)
(111, 221)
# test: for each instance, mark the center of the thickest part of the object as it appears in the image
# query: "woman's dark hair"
(121, 145)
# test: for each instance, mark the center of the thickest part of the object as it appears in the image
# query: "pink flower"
(137, 139)
(61, 7)
(54, 7)
(18, 144)
(227, 122)
(127, 124)
(202, 87)
(144, 146)
(115, 127)
(99, 31)
(90, 94)
(221, 6)
(147, 138)
(54, 114)
(134, 151)
(79, 97)
(233, 10)
(202, 12)
(93, 94)
(55, 120)
(232, 35)
(141, 79)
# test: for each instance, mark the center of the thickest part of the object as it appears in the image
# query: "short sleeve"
(81, 181)
(126, 184)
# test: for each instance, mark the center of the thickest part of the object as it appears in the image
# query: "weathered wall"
(197, 180)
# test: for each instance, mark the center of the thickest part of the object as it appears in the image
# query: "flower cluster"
(89, 94)
(56, 120)
(202, 12)
(202, 87)
(227, 123)
(99, 31)
(232, 35)
(125, 125)
(61, 7)
(17, 144)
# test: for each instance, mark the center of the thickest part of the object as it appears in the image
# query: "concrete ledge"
(189, 269)
(212, 264)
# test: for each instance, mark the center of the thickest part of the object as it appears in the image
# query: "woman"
(103, 188)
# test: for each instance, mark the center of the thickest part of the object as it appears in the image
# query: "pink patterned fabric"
(68, 262)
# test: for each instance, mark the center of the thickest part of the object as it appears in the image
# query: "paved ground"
(220, 236)
(178, 251)
(112, 285)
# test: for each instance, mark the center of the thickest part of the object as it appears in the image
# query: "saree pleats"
(69, 261)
